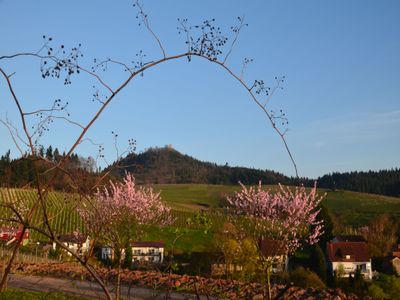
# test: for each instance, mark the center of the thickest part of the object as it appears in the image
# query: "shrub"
(54, 254)
(394, 288)
(376, 292)
(305, 278)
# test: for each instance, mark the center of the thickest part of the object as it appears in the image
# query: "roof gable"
(349, 238)
(73, 238)
(347, 251)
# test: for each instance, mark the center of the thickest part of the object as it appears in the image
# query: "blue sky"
(340, 58)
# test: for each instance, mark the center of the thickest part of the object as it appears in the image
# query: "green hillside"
(350, 209)
(357, 209)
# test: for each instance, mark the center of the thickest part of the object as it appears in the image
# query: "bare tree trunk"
(269, 269)
(196, 291)
(168, 291)
(118, 284)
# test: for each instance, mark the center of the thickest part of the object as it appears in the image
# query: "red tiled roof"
(73, 238)
(158, 244)
(396, 251)
(7, 233)
(349, 238)
(347, 251)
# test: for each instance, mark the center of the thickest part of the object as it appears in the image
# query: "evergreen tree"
(328, 227)
(41, 151)
(49, 153)
(358, 282)
(128, 257)
(56, 155)
(318, 262)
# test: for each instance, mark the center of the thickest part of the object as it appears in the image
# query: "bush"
(305, 278)
(54, 254)
(394, 289)
(376, 292)
(385, 287)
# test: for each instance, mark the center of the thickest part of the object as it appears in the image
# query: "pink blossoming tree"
(286, 218)
(116, 216)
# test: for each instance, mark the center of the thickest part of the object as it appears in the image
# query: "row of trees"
(166, 165)
(19, 172)
(155, 165)
(384, 182)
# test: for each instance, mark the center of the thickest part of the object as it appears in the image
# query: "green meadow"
(350, 209)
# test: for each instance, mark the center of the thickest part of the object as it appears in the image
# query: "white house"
(148, 251)
(348, 253)
(107, 253)
(395, 259)
(78, 243)
(141, 251)
(396, 265)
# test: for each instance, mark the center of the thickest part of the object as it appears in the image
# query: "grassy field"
(358, 209)
(189, 197)
(350, 208)
(15, 294)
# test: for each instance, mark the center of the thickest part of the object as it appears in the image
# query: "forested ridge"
(384, 182)
(168, 166)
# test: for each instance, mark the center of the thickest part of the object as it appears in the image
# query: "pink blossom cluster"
(124, 202)
(288, 215)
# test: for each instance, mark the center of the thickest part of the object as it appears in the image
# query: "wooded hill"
(166, 165)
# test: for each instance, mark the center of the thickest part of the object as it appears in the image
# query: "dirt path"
(87, 289)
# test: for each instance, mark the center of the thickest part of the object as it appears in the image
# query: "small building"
(396, 265)
(275, 250)
(107, 253)
(9, 235)
(141, 251)
(346, 254)
(78, 243)
(148, 251)
(396, 251)
(395, 259)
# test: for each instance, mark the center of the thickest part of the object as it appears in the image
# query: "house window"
(347, 256)
(363, 268)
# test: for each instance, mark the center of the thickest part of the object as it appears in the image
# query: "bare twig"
(144, 19)
(236, 30)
